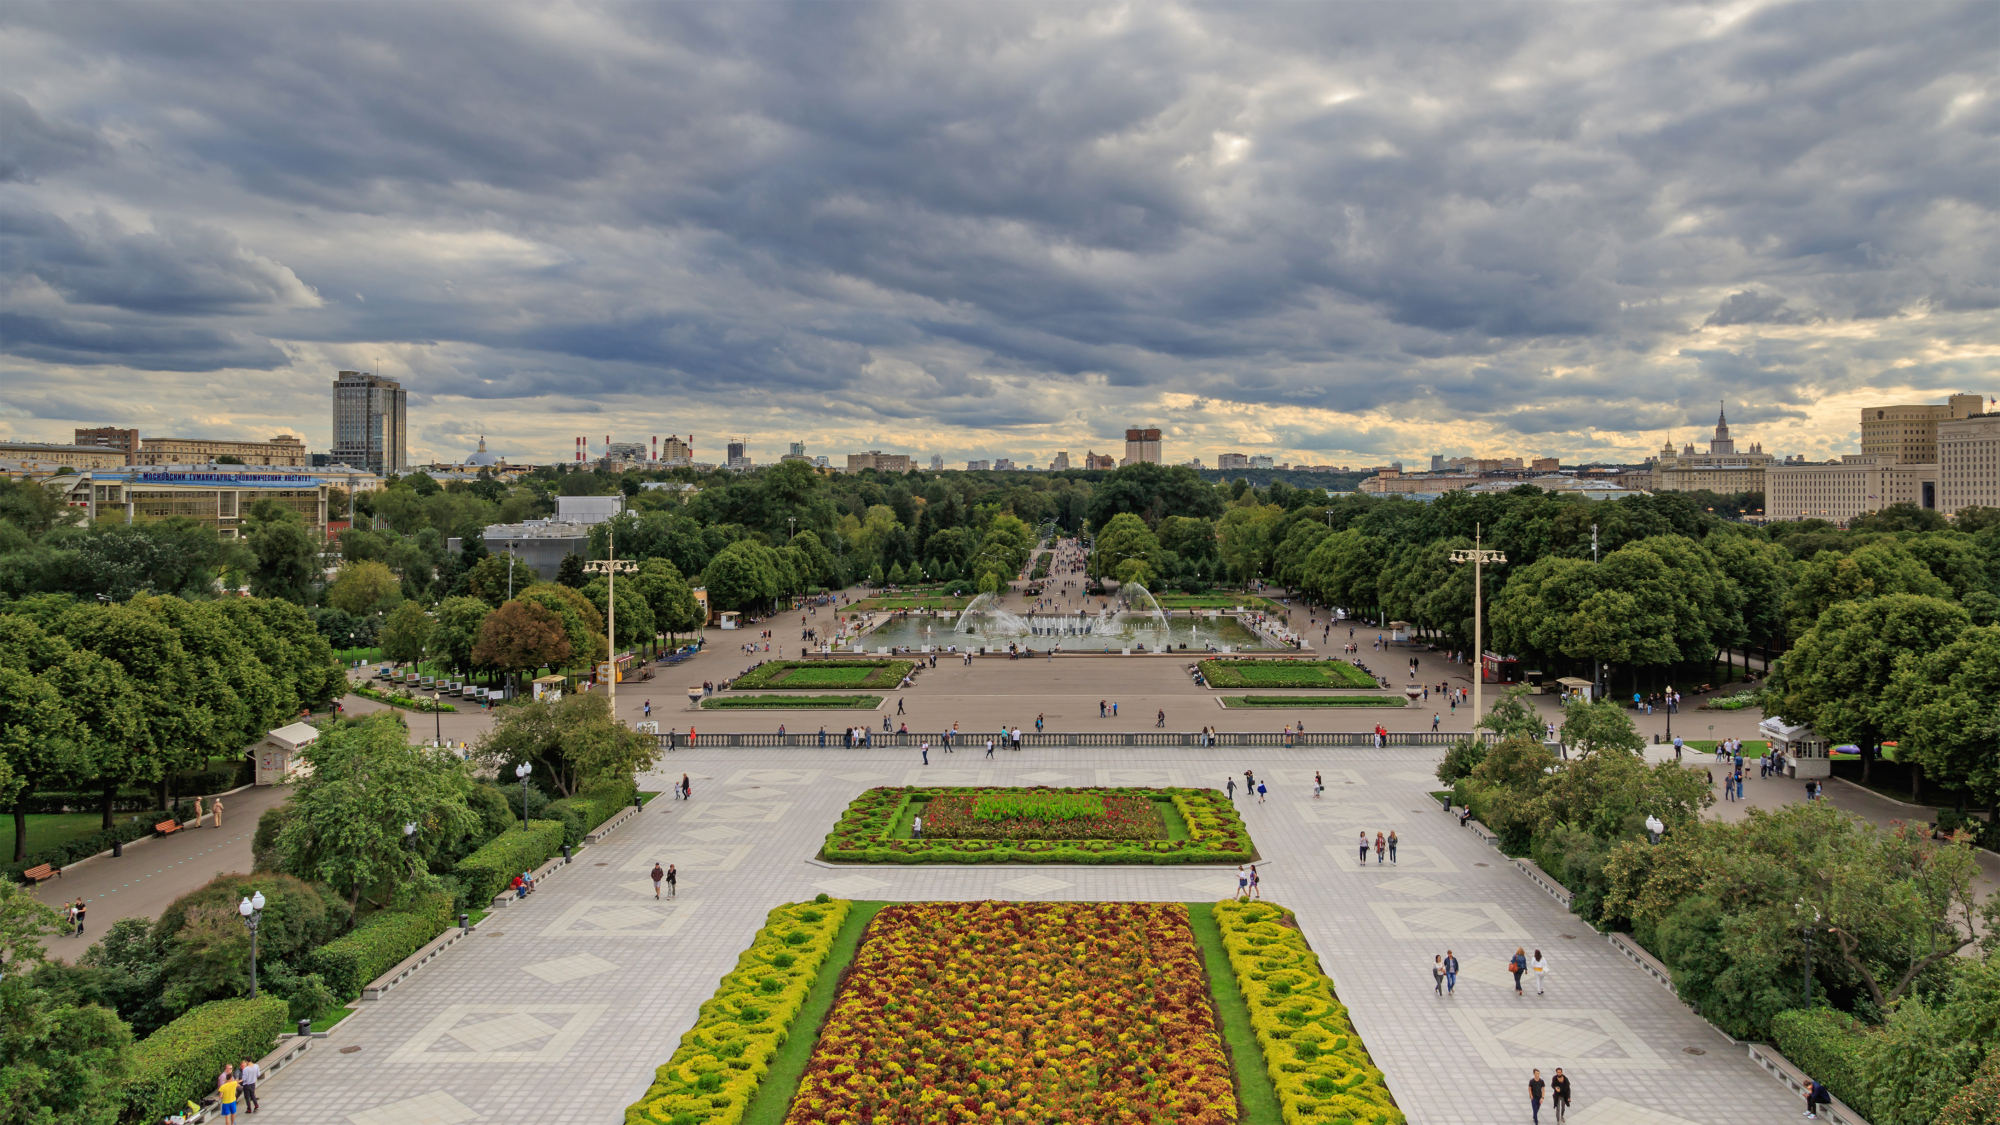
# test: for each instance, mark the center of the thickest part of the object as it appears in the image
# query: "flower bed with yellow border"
(720, 1062)
(866, 832)
(1029, 1012)
(1322, 1072)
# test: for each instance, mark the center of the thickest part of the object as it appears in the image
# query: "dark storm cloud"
(1552, 220)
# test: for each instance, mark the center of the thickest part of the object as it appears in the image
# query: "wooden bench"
(167, 827)
(37, 874)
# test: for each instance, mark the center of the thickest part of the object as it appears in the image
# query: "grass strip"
(792, 703)
(1177, 828)
(1253, 1082)
(774, 1094)
(1269, 701)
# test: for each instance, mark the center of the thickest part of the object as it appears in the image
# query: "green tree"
(455, 630)
(675, 608)
(1949, 722)
(363, 588)
(742, 575)
(520, 637)
(366, 783)
(1877, 569)
(571, 573)
(1006, 545)
(572, 742)
(1126, 537)
(1600, 727)
(285, 551)
(582, 623)
(406, 636)
(495, 579)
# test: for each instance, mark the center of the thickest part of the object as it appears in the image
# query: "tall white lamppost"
(1478, 557)
(252, 910)
(611, 568)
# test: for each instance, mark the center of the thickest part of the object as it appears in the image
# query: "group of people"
(1384, 846)
(237, 1086)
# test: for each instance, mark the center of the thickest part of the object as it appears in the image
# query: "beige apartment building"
(39, 456)
(1910, 433)
(1396, 484)
(1722, 469)
(284, 450)
(1968, 462)
(1141, 445)
(1840, 490)
(880, 461)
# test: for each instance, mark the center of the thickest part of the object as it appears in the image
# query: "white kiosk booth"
(278, 756)
(1804, 750)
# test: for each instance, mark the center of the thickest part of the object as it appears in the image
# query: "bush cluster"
(1826, 1045)
(592, 806)
(422, 703)
(378, 943)
(178, 1063)
(864, 833)
(1311, 1050)
(794, 702)
(486, 871)
(714, 1073)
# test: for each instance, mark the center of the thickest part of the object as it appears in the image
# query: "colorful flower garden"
(998, 825)
(1003, 1012)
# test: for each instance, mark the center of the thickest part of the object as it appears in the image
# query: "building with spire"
(1722, 469)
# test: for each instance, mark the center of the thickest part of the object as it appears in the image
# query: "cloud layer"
(1333, 233)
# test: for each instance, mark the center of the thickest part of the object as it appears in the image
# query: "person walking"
(1230, 785)
(1381, 846)
(78, 910)
(687, 789)
(1540, 967)
(1559, 1093)
(1242, 883)
(225, 1093)
(916, 828)
(1450, 972)
(1518, 964)
(1256, 883)
(1535, 1086)
(1435, 720)
(247, 1074)
(925, 749)
(989, 746)
(672, 877)
(215, 807)
(899, 705)
(1392, 847)
(1437, 974)
(1260, 792)
(658, 874)
(1364, 847)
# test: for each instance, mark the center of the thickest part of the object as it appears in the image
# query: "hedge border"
(372, 948)
(178, 1063)
(716, 1070)
(486, 871)
(1294, 1011)
(1274, 702)
(1221, 672)
(888, 673)
(1216, 833)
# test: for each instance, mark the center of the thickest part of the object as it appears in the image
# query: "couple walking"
(1382, 847)
(1248, 885)
(1558, 1091)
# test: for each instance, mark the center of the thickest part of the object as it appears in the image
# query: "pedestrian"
(78, 909)
(1559, 1093)
(1114, 710)
(1364, 847)
(199, 814)
(1242, 883)
(1230, 785)
(1540, 967)
(1437, 974)
(215, 807)
(1260, 792)
(1535, 1096)
(1518, 964)
(1249, 782)
(225, 1093)
(1450, 972)
(925, 748)
(687, 788)
(916, 828)
(247, 1074)
(1392, 847)
(1318, 785)
(1381, 847)
(1162, 721)
(659, 873)
(1100, 708)
(899, 705)
(1256, 883)
(672, 877)
(1435, 720)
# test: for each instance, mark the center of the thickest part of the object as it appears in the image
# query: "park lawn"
(49, 830)
(1285, 674)
(1253, 1081)
(365, 655)
(1253, 701)
(1216, 601)
(792, 703)
(797, 675)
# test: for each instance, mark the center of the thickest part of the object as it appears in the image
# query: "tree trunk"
(1867, 758)
(1916, 784)
(21, 826)
(110, 795)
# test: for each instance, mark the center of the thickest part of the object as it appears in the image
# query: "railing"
(832, 740)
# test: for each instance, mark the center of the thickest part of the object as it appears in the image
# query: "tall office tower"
(1910, 433)
(737, 457)
(1061, 463)
(370, 416)
(937, 462)
(798, 449)
(1141, 445)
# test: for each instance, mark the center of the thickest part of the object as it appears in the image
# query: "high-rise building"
(1061, 463)
(1838, 491)
(739, 457)
(370, 422)
(1437, 462)
(674, 451)
(1261, 461)
(1227, 461)
(978, 466)
(798, 449)
(1722, 469)
(111, 437)
(1095, 460)
(1141, 445)
(937, 462)
(1969, 462)
(1910, 433)
(283, 450)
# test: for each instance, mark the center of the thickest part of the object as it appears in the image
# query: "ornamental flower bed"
(1029, 1012)
(1225, 673)
(720, 1062)
(795, 675)
(865, 833)
(1021, 818)
(1316, 1061)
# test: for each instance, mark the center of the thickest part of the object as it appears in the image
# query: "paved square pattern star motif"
(1044, 777)
(1411, 885)
(689, 859)
(476, 1033)
(564, 969)
(711, 834)
(850, 886)
(1149, 778)
(434, 1108)
(760, 812)
(1216, 886)
(932, 775)
(1612, 1111)
(861, 778)
(621, 919)
(1413, 921)
(1512, 1038)
(773, 777)
(1034, 885)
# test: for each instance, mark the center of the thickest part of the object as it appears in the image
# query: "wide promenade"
(559, 1008)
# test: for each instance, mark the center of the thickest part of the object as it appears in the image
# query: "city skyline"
(1322, 235)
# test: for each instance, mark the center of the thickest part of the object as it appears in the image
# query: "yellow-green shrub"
(1322, 1072)
(715, 1071)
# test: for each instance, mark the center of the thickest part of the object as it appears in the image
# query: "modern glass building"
(369, 422)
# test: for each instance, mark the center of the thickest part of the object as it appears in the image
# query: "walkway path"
(559, 1009)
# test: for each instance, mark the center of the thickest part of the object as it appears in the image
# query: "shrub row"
(1317, 1063)
(592, 806)
(1314, 701)
(62, 855)
(864, 833)
(375, 946)
(486, 871)
(1826, 1045)
(178, 1063)
(796, 674)
(794, 702)
(404, 700)
(714, 1073)
(1285, 674)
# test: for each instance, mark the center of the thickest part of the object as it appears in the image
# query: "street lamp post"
(1597, 680)
(252, 909)
(1478, 557)
(611, 568)
(522, 771)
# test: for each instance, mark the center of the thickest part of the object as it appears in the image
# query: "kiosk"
(1804, 750)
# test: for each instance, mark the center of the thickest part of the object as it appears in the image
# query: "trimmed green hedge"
(178, 1063)
(1224, 673)
(593, 805)
(793, 703)
(486, 871)
(1314, 701)
(1827, 1045)
(375, 946)
(793, 675)
(865, 833)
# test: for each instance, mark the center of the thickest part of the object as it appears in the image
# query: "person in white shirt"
(1540, 967)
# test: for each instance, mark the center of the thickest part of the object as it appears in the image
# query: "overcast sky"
(1333, 233)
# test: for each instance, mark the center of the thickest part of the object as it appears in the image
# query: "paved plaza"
(560, 1008)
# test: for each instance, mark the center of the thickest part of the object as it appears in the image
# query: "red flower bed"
(1021, 1012)
(1125, 818)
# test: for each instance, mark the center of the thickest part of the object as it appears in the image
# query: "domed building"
(483, 459)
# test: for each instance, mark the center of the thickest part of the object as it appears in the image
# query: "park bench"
(167, 827)
(37, 874)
